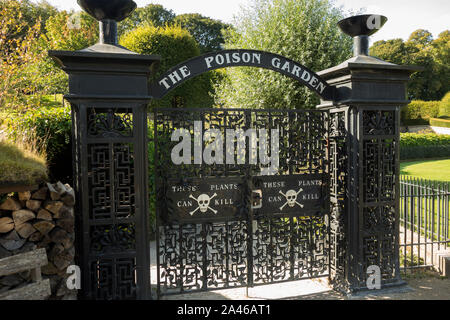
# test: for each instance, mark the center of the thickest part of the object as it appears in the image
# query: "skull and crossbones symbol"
(203, 202)
(291, 198)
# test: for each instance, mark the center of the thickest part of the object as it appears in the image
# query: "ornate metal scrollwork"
(109, 124)
(243, 249)
(378, 227)
(110, 212)
(379, 122)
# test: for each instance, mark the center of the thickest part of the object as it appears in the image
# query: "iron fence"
(424, 222)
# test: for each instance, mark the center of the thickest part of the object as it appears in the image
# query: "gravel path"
(421, 286)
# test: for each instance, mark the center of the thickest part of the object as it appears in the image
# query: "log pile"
(43, 218)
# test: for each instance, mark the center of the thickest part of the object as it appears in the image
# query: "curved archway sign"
(235, 58)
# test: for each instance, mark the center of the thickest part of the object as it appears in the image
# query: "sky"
(404, 16)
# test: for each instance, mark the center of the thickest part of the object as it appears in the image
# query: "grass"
(433, 219)
(20, 165)
(420, 273)
(438, 170)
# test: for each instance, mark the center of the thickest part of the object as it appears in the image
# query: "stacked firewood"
(43, 218)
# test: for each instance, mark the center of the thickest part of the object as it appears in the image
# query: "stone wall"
(43, 218)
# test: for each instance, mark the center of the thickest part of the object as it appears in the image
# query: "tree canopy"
(206, 31)
(420, 49)
(19, 51)
(302, 30)
(71, 31)
(154, 14)
(27, 14)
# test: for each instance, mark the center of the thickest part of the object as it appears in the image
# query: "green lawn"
(438, 170)
(427, 211)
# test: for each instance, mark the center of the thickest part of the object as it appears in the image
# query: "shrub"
(52, 129)
(444, 107)
(174, 45)
(422, 146)
(423, 139)
(420, 110)
(445, 123)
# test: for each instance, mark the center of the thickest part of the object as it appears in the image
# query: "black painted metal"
(364, 196)
(247, 246)
(110, 161)
(360, 28)
(364, 140)
(106, 9)
(240, 57)
(108, 13)
(109, 97)
(424, 206)
(353, 139)
(108, 31)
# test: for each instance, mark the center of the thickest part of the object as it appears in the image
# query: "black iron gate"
(242, 197)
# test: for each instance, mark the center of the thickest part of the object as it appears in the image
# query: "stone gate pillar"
(108, 93)
(364, 152)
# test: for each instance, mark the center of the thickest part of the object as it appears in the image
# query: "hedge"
(444, 109)
(445, 123)
(416, 122)
(423, 139)
(418, 109)
(422, 146)
(420, 112)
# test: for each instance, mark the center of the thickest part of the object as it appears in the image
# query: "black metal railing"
(424, 222)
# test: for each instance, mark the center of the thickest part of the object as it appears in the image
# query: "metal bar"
(419, 205)
(314, 143)
(426, 222)
(432, 223)
(228, 110)
(447, 219)
(413, 215)
(405, 214)
(205, 257)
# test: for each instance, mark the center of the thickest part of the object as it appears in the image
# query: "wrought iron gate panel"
(247, 246)
(380, 181)
(108, 166)
(339, 145)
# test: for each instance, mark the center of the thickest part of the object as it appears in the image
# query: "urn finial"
(108, 13)
(360, 28)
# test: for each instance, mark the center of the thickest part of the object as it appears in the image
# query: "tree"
(64, 31)
(17, 52)
(206, 31)
(302, 30)
(420, 49)
(394, 51)
(174, 45)
(441, 55)
(420, 38)
(71, 31)
(28, 13)
(154, 14)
